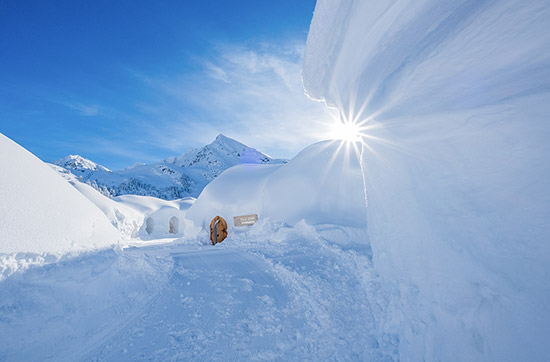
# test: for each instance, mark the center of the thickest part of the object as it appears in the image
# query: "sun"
(346, 131)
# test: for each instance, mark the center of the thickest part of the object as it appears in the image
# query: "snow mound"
(147, 204)
(126, 219)
(159, 218)
(456, 95)
(41, 212)
(136, 217)
(306, 188)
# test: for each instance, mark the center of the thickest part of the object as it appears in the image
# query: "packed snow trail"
(283, 295)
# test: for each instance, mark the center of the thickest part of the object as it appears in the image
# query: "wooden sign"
(245, 220)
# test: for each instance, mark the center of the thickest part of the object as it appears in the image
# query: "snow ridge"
(41, 212)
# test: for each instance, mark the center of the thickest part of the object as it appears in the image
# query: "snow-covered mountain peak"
(223, 152)
(172, 178)
(222, 138)
(79, 163)
(227, 142)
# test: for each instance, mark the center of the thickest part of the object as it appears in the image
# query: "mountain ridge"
(172, 178)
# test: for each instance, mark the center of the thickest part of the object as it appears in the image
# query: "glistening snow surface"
(309, 188)
(457, 96)
(268, 292)
(41, 213)
(456, 99)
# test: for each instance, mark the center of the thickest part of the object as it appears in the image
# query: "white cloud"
(254, 95)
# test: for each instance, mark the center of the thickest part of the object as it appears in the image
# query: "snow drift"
(41, 213)
(124, 218)
(456, 100)
(137, 218)
(306, 188)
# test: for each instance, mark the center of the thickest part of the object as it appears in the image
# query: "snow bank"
(41, 213)
(457, 98)
(136, 217)
(307, 188)
(126, 219)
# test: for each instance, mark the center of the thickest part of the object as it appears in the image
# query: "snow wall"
(457, 98)
(41, 213)
(306, 188)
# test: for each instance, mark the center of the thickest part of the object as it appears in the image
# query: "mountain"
(173, 178)
(79, 164)
(223, 151)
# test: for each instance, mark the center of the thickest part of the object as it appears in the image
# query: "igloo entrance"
(174, 225)
(149, 225)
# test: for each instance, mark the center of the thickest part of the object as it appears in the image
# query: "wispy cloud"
(85, 110)
(217, 72)
(253, 94)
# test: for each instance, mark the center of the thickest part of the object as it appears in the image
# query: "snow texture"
(41, 213)
(268, 292)
(456, 99)
(136, 217)
(127, 220)
(445, 258)
(306, 188)
(292, 287)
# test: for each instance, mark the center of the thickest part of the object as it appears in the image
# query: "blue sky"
(137, 81)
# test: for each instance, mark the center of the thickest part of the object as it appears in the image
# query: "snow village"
(410, 221)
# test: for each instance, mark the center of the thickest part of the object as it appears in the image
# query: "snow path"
(292, 296)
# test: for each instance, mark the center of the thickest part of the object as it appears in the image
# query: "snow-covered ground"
(267, 292)
(297, 285)
(429, 242)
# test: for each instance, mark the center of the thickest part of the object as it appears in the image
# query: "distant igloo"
(149, 225)
(174, 225)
